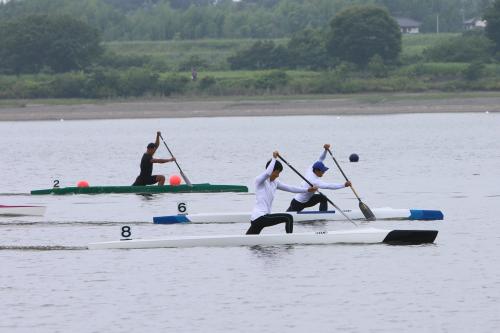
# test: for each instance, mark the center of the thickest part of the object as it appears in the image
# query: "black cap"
(151, 145)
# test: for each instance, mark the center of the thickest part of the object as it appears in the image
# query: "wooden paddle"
(310, 184)
(363, 207)
(186, 179)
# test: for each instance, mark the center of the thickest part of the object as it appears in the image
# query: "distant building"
(408, 26)
(474, 23)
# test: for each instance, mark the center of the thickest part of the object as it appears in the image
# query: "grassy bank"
(365, 98)
(140, 82)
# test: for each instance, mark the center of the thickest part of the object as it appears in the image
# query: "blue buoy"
(354, 158)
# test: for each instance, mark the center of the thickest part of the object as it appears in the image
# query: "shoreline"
(362, 104)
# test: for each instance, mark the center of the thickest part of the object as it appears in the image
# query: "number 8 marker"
(126, 232)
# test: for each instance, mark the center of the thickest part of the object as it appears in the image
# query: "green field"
(181, 47)
(414, 45)
(212, 51)
(215, 51)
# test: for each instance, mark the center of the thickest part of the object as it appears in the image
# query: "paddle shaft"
(186, 179)
(310, 184)
(367, 212)
(343, 174)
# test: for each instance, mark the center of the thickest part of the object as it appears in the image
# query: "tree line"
(59, 44)
(358, 34)
(193, 19)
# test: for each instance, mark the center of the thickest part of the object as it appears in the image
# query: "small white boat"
(386, 213)
(22, 210)
(356, 236)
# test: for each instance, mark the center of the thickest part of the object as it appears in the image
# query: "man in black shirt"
(146, 176)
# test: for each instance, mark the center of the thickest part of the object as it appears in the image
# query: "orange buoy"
(82, 183)
(175, 180)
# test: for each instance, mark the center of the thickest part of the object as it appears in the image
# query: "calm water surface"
(49, 282)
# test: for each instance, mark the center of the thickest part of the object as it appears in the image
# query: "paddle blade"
(366, 211)
(186, 179)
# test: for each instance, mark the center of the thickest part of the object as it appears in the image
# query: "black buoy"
(354, 158)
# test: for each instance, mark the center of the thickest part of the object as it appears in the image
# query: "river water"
(49, 281)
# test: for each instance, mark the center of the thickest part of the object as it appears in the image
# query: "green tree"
(360, 32)
(492, 17)
(272, 80)
(73, 44)
(194, 61)
(137, 82)
(261, 55)
(471, 46)
(164, 19)
(20, 45)
(112, 22)
(60, 43)
(307, 50)
(376, 67)
(183, 4)
(474, 71)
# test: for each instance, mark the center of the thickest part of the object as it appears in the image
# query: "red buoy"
(175, 180)
(82, 183)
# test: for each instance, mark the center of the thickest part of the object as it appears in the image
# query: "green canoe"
(195, 188)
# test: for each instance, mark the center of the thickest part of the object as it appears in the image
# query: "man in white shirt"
(265, 188)
(313, 175)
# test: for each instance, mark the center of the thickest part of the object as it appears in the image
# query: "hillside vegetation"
(88, 48)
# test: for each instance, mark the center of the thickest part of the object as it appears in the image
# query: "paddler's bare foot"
(161, 180)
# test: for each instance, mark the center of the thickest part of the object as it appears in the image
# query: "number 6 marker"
(182, 208)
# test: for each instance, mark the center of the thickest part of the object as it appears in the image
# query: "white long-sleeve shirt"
(265, 189)
(316, 181)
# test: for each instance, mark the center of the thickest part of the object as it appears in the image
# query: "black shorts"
(297, 206)
(148, 180)
(268, 220)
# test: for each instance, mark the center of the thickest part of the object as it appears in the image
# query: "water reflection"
(146, 196)
(42, 248)
(271, 251)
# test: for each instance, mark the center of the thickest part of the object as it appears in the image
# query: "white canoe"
(21, 210)
(386, 213)
(356, 236)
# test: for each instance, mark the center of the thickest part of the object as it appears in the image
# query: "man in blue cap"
(313, 175)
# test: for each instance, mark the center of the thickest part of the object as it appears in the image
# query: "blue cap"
(320, 166)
